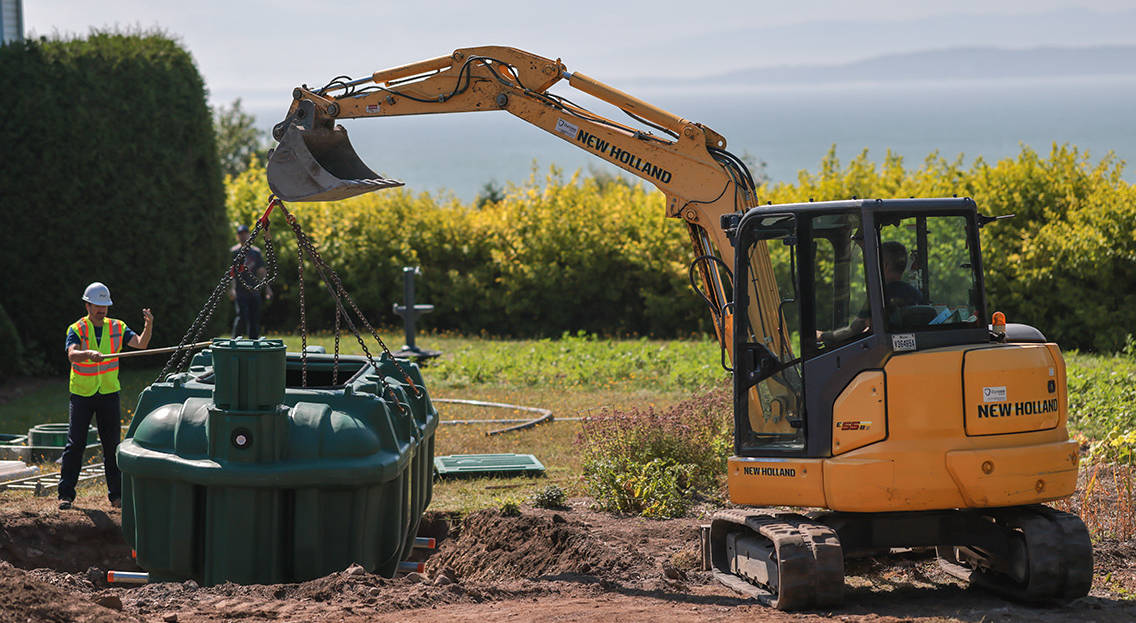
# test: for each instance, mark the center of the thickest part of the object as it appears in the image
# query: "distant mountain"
(970, 63)
(745, 43)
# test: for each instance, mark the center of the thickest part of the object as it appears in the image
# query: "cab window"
(841, 312)
(927, 271)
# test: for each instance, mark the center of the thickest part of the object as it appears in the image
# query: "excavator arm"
(687, 161)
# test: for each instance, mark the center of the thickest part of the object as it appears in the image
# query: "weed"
(1102, 404)
(509, 507)
(1106, 504)
(549, 497)
(650, 461)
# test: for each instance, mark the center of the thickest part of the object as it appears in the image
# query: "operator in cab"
(92, 342)
(897, 294)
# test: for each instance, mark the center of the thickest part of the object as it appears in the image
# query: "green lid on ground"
(487, 465)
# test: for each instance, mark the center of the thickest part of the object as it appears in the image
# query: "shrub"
(110, 174)
(651, 462)
(658, 489)
(509, 507)
(549, 497)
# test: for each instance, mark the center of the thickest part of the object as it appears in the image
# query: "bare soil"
(572, 564)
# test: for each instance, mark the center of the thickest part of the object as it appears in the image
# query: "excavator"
(871, 395)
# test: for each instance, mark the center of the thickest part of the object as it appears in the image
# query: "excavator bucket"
(320, 165)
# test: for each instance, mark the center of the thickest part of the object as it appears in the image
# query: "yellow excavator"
(870, 392)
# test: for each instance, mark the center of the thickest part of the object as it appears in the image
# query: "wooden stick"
(159, 351)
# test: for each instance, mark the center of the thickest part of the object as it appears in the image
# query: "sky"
(260, 49)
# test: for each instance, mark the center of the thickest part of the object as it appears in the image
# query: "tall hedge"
(582, 254)
(109, 173)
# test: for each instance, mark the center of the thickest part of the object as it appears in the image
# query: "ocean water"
(789, 128)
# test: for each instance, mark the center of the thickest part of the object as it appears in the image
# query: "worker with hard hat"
(92, 342)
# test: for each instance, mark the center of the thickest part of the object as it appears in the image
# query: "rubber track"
(810, 562)
(1060, 556)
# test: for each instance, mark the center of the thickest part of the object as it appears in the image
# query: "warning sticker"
(994, 394)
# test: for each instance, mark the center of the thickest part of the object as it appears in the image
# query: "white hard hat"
(97, 294)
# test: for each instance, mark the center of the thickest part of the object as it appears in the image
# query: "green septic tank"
(233, 472)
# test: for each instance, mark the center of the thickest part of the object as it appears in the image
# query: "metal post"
(410, 313)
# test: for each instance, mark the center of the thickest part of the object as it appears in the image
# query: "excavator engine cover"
(319, 164)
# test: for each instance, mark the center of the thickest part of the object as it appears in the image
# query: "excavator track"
(1050, 559)
(787, 561)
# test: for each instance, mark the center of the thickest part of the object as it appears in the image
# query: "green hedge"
(564, 255)
(109, 174)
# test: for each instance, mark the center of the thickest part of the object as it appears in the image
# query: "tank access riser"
(789, 561)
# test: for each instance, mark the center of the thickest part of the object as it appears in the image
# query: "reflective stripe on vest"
(90, 377)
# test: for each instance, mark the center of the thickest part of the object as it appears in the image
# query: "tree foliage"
(238, 138)
(109, 174)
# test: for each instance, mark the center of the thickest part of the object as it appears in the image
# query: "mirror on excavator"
(316, 162)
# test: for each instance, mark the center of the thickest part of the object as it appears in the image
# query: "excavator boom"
(687, 161)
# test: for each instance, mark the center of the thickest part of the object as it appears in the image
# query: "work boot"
(64, 504)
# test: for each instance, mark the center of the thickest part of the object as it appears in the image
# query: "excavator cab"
(858, 282)
(316, 162)
(873, 388)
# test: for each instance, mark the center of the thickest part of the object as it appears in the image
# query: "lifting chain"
(181, 356)
(335, 359)
(334, 285)
(303, 312)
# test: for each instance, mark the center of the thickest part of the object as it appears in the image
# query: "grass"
(572, 376)
(44, 400)
(1102, 402)
(578, 375)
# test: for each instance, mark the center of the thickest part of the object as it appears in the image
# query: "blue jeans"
(104, 408)
(248, 316)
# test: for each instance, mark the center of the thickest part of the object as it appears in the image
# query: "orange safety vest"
(91, 377)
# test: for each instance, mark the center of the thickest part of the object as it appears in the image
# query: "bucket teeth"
(320, 164)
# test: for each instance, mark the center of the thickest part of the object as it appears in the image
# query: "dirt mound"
(491, 547)
(71, 541)
(25, 598)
